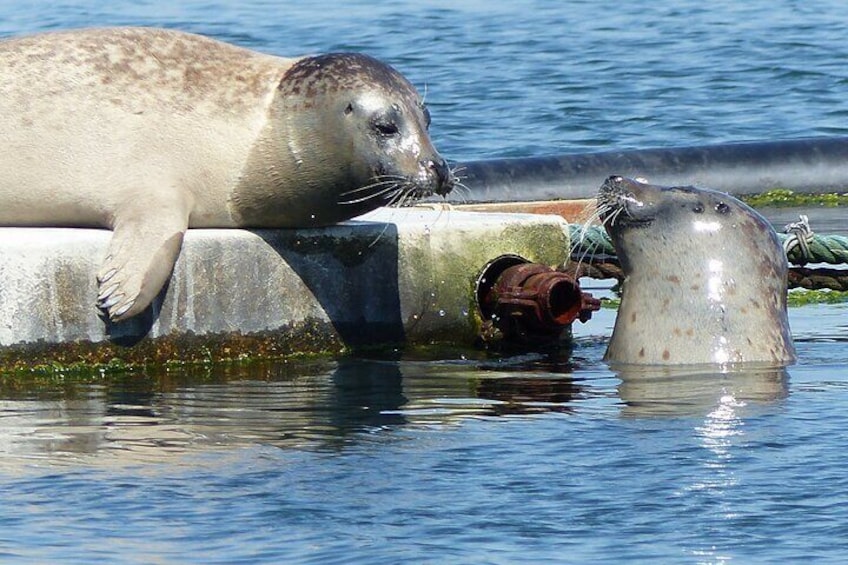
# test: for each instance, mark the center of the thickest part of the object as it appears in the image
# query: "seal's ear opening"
(348, 109)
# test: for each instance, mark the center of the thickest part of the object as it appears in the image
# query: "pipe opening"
(564, 301)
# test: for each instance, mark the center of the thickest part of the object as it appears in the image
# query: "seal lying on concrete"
(150, 131)
(705, 278)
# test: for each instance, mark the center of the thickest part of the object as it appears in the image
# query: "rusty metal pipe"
(530, 301)
(546, 298)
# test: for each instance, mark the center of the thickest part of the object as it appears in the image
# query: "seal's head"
(675, 222)
(705, 277)
(353, 133)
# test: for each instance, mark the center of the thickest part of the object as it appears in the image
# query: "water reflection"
(151, 416)
(328, 404)
(528, 394)
(695, 391)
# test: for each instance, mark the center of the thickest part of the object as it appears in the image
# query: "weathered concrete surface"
(396, 275)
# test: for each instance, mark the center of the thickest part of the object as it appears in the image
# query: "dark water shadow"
(365, 396)
(525, 382)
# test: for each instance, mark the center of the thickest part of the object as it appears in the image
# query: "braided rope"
(830, 249)
(594, 256)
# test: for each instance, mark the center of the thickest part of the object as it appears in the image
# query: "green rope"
(832, 249)
(591, 241)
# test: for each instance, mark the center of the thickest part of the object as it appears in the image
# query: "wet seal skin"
(149, 131)
(705, 278)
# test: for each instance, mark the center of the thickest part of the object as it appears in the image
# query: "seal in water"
(150, 131)
(705, 278)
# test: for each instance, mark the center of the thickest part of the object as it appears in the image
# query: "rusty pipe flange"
(528, 300)
(546, 299)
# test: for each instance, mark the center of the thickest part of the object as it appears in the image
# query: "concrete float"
(392, 276)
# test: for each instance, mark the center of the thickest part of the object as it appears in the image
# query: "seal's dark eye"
(722, 208)
(698, 208)
(386, 128)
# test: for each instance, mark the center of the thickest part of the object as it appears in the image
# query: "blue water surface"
(531, 77)
(463, 456)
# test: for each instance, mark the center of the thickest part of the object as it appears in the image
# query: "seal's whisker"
(391, 202)
(395, 197)
(584, 229)
(379, 235)
(407, 194)
(462, 191)
(365, 198)
(589, 212)
(458, 178)
(389, 180)
(604, 213)
(612, 218)
(410, 198)
(382, 192)
(404, 198)
(389, 177)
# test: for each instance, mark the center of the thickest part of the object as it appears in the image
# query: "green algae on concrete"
(311, 337)
(439, 269)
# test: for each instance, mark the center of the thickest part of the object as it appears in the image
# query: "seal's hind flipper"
(141, 257)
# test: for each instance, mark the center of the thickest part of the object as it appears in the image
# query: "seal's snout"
(612, 181)
(624, 202)
(439, 169)
(610, 194)
(617, 183)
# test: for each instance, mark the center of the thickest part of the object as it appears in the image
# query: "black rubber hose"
(812, 165)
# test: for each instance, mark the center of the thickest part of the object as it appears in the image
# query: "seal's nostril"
(442, 172)
(613, 182)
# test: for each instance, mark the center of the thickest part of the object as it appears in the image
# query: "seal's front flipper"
(141, 257)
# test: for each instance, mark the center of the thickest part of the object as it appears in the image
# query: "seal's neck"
(290, 176)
